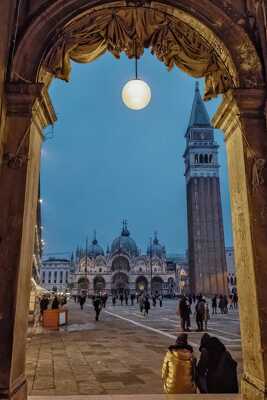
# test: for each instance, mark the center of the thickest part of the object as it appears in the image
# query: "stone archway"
(141, 284)
(236, 72)
(120, 282)
(157, 285)
(99, 283)
(83, 284)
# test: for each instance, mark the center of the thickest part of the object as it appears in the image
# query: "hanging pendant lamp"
(136, 93)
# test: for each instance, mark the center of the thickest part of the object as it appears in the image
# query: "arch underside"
(173, 36)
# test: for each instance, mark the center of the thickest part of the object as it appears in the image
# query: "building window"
(55, 277)
(61, 276)
(43, 279)
(206, 159)
(49, 277)
(201, 158)
(66, 277)
(196, 158)
(210, 158)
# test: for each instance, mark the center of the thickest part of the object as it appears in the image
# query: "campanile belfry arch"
(224, 42)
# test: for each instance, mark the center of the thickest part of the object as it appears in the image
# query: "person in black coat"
(216, 369)
(97, 306)
(55, 303)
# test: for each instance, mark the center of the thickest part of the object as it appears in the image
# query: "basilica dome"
(155, 249)
(95, 249)
(124, 243)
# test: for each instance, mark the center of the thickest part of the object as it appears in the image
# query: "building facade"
(206, 248)
(56, 274)
(123, 269)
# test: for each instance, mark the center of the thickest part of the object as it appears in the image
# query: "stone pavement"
(121, 354)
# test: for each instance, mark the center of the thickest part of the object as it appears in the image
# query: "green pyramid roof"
(199, 115)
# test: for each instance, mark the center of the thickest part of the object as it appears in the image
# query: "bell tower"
(206, 247)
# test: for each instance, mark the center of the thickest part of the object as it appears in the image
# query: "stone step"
(144, 397)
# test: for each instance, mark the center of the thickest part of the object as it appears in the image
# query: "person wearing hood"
(216, 369)
(178, 370)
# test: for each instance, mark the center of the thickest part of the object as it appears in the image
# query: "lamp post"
(151, 272)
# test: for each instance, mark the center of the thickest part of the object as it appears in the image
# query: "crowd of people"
(214, 372)
(198, 306)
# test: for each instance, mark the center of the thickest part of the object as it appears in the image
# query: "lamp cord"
(136, 68)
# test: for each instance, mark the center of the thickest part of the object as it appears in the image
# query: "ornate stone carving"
(130, 30)
(257, 172)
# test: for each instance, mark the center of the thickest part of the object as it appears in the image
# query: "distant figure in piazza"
(200, 313)
(184, 310)
(82, 300)
(206, 315)
(160, 300)
(214, 304)
(146, 306)
(55, 303)
(97, 306)
(132, 298)
(178, 370)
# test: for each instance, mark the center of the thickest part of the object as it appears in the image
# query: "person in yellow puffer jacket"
(178, 370)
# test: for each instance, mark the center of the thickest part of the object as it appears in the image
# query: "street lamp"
(151, 272)
(136, 93)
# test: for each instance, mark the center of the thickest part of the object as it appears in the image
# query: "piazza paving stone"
(112, 357)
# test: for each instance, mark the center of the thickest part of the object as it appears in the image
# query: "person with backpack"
(178, 370)
(216, 369)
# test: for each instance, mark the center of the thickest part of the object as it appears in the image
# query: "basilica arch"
(216, 33)
(83, 284)
(141, 284)
(157, 285)
(99, 283)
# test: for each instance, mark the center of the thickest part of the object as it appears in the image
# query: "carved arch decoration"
(178, 36)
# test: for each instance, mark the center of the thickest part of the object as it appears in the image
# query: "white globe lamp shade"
(136, 94)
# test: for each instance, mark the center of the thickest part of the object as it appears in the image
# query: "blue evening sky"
(106, 163)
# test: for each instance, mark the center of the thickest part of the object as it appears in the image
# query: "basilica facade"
(123, 269)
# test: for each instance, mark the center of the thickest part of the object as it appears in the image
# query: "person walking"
(214, 304)
(200, 312)
(97, 306)
(225, 304)
(235, 300)
(82, 300)
(132, 298)
(154, 300)
(216, 369)
(113, 300)
(206, 315)
(43, 305)
(55, 303)
(184, 312)
(221, 304)
(126, 299)
(146, 306)
(178, 369)
(160, 300)
(121, 299)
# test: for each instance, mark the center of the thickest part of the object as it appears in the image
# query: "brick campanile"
(206, 247)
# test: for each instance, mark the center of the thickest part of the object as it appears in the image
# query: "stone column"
(241, 117)
(28, 111)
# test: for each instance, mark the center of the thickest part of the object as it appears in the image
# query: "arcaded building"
(123, 268)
